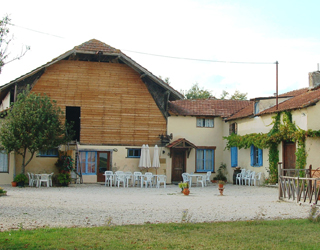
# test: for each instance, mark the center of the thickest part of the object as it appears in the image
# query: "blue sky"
(222, 30)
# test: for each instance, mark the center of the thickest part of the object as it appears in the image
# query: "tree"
(196, 93)
(5, 41)
(33, 124)
(236, 96)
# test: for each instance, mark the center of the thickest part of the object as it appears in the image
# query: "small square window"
(134, 152)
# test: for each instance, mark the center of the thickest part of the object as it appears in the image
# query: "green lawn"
(278, 234)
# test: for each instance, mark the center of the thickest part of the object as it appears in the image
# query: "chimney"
(314, 79)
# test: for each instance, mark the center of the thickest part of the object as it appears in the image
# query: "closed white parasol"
(147, 155)
(142, 162)
(156, 161)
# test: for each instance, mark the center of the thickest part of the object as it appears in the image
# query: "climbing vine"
(280, 131)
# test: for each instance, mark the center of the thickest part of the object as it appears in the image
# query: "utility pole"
(277, 85)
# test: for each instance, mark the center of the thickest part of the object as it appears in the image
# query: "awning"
(181, 143)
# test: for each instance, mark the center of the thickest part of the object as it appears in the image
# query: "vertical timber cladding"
(116, 106)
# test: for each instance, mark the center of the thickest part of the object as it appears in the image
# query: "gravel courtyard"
(89, 205)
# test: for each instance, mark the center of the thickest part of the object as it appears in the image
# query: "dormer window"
(256, 108)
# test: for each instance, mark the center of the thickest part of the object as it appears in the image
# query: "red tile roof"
(295, 92)
(304, 99)
(207, 107)
(95, 46)
(245, 112)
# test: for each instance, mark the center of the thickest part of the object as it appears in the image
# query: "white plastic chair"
(148, 179)
(136, 178)
(186, 178)
(249, 178)
(50, 179)
(208, 177)
(35, 179)
(44, 178)
(202, 179)
(240, 176)
(108, 178)
(161, 179)
(30, 180)
(128, 175)
(257, 178)
(120, 177)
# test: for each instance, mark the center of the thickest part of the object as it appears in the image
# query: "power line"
(37, 31)
(149, 54)
(195, 59)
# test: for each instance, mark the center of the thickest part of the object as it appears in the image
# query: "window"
(134, 152)
(88, 162)
(256, 156)
(234, 156)
(4, 166)
(205, 122)
(205, 160)
(233, 128)
(53, 152)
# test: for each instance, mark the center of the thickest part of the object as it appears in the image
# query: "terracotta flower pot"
(220, 185)
(186, 191)
(14, 184)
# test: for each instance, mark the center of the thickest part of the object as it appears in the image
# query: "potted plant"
(2, 192)
(184, 187)
(221, 184)
(20, 179)
(64, 179)
(13, 183)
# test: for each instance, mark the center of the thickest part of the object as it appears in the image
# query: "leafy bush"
(64, 179)
(221, 172)
(21, 178)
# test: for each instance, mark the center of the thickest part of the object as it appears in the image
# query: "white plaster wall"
(257, 124)
(186, 127)
(313, 152)
(313, 118)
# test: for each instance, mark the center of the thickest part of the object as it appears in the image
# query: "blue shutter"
(260, 153)
(234, 156)
(252, 156)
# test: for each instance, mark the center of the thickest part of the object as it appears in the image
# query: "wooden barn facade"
(116, 105)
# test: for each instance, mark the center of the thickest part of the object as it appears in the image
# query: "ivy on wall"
(280, 131)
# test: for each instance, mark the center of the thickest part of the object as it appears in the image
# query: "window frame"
(205, 169)
(86, 163)
(233, 128)
(6, 159)
(133, 150)
(204, 121)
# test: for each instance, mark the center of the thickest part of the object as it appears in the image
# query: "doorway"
(178, 164)
(103, 162)
(73, 115)
(289, 156)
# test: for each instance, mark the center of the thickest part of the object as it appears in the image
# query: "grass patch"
(258, 234)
